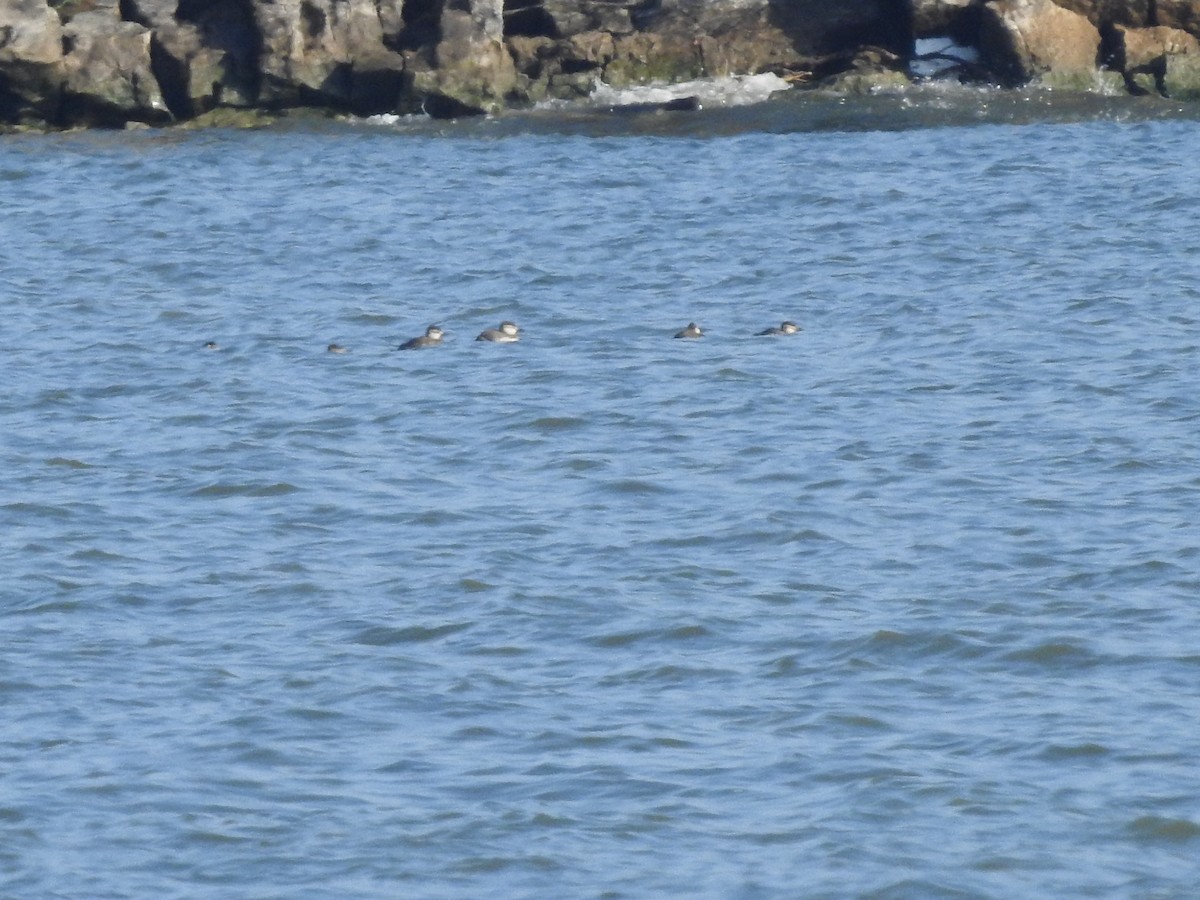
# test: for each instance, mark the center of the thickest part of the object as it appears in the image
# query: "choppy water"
(902, 606)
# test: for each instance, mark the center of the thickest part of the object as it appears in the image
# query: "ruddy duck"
(507, 333)
(431, 338)
(692, 331)
(212, 345)
(783, 328)
(335, 348)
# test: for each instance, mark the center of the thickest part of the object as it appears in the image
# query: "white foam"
(734, 90)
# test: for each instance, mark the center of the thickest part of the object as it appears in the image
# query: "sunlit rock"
(31, 51)
(1143, 57)
(1130, 13)
(472, 71)
(1181, 14)
(107, 76)
(328, 53)
(1023, 40)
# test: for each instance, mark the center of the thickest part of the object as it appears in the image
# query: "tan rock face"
(1130, 13)
(1181, 14)
(1024, 39)
(1149, 52)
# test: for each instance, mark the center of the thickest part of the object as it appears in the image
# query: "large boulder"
(1023, 40)
(1101, 13)
(328, 53)
(1141, 53)
(1182, 14)
(31, 50)
(934, 18)
(204, 52)
(563, 46)
(565, 18)
(472, 71)
(107, 76)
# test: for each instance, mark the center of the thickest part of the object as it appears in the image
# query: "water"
(901, 606)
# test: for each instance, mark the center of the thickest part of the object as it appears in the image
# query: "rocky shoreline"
(117, 63)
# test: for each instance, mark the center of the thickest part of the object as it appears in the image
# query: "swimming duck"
(507, 333)
(782, 328)
(335, 348)
(692, 331)
(431, 338)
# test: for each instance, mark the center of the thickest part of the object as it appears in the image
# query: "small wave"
(382, 636)
(735, 90)
(246, 490)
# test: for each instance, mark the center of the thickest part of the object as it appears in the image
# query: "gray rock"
(30, 61)
(956, 18)
(472, 71)
(328, 53)
(566, 18)
(108, 79)
(205, 56)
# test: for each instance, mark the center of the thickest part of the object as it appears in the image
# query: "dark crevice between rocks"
(570, 66)
(128, 12)
(376, 91)
(644, 14)
(440, 106)
(172, 76)
(891, 29)
(528, 18)
(422, 25)
(313, 19)
(229, 26)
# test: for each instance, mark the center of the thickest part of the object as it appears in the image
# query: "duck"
(692, 331)
(212, 345)
(782, 328)
(507, 333)
(431, 338)
(335, 348)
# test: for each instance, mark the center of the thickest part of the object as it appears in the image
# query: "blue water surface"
(904, 605)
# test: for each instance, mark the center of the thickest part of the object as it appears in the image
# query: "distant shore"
(109, 64)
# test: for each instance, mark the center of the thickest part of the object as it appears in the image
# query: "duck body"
(782, 328)
(431, 338)
(692, 331)
(507, 333)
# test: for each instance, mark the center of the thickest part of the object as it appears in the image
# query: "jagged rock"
(1145, 52)
(328, 53)
(566, 18)
(1020, 40)
(1182, 80)
(107, 77)
(472, 70)
(204, 53)
(30, 61)
(681, 39)
(1101, 13)
(823, 28)
(1181, 14)
(934, 18)
(867, 72)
